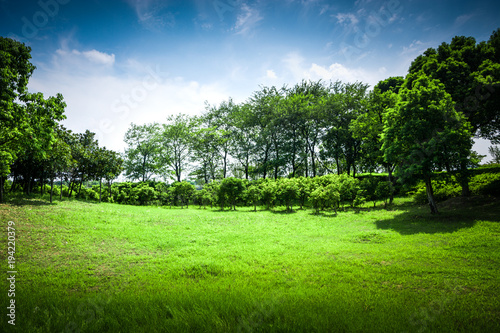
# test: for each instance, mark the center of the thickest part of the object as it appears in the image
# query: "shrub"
(253, 194)
(183, 191)
(442, 190)
(383, 191)
(143, 194)
(268, 190)
(287, 191)
(485, 184)
(231, 189)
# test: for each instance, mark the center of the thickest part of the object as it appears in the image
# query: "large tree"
(143, 154)
(15, 71)
(368, 126)
(470, 73)
(345, 103)
(422, 129)
(177, 139)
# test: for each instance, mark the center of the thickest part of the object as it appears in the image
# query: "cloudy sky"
(123, 61)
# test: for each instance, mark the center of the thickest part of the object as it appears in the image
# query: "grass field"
(85, 267)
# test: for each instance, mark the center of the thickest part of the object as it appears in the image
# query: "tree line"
(34, 146)
(413, 126)
(408, 126)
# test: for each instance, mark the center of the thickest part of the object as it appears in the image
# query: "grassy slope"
(106, 267)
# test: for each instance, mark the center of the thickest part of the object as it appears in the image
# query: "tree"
(244, 137)
(15, 71)
(177, 141)
(28, 120)
(421, 129)
(183, 191)
(107, 165)
(368, 126)
(142, 157)
(231, 189)
(470, 73)
(346, 103)
(253, 195)
(57, 162)
(495, 153)
(287, 191)
(311, 108)
(268, 190)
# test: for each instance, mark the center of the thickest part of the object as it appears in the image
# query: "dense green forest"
(313, 142)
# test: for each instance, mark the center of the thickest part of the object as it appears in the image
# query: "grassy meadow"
(87, 267)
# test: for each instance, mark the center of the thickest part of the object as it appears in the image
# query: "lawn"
(87, 267)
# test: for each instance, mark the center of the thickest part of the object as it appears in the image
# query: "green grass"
(85, 267)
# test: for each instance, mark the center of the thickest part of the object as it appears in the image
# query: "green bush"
(442, 189)
(485, 184)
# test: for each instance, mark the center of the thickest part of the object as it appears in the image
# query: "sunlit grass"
(106, 267)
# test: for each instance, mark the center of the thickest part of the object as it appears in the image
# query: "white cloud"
(106, 102)
(461, 20)
(347, 19)
(83, 62)
(270, 74)
(299, 69)
(414, 47)
(294, 65)
(152, 14)
(99, 57)
(247, 19)
(337, 71)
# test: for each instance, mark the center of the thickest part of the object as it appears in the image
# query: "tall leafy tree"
(368, 126)
(143, 154)
(177, 138)
(28, 120)
(204, 151)
(244, 137)
(15, 71)
(347, 102)
(422, 128)
(470, 73)
(311, 109)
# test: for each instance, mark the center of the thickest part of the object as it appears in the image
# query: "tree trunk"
(225, 165)
(337, 161)
(80, 188)
(13, 184)
(389, 171)
(100, 189)
(464, 179)
(51, 188)
(430, 195)
(313, 163)
(60, 194)
(1, 189)
(71, 185)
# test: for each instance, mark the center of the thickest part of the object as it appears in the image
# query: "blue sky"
(123, 61)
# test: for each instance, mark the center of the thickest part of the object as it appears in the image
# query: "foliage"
(230, 190)
(253, 195)
(183, 192)
(423, 130)
(287, 191)
(143, 152)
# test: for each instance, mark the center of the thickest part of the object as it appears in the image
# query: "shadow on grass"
(37, 200)
(324, 213)
(455, 214)
(28, 201)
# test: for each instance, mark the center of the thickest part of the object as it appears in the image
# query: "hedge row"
(325, 192)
